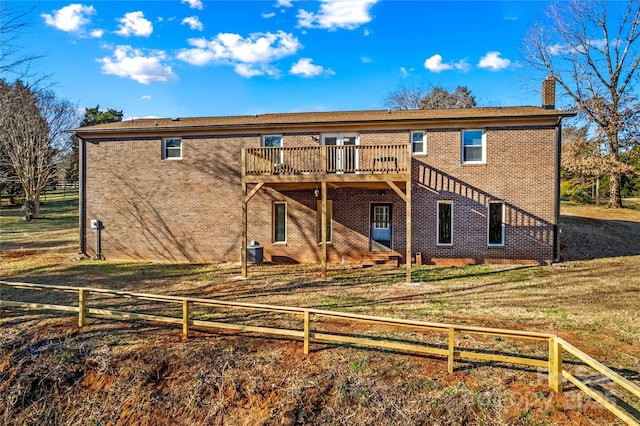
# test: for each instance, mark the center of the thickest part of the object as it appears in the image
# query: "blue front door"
(381, 232)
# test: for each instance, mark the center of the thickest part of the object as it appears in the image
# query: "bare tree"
(440, 98)
(593, 55)
(437, 98)
(12, 59)
(405, 98)
(32, 124)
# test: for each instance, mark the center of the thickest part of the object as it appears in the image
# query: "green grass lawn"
(56, 223)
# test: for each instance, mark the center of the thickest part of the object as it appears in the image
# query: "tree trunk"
(615, 199)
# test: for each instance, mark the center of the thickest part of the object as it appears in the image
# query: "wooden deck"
(327, 166)
(338, 164)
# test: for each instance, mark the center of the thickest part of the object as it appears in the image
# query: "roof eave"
(89, 130)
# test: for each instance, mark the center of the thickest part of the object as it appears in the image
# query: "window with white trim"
(279, 222)
(445, 223)
(419, 142)
(172, 148)
(329, 218)
(496, 223)
(272, 142)
(474, 146)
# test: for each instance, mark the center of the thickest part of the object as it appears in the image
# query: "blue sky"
(178, 58)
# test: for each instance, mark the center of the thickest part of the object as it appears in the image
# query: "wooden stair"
(381, 260)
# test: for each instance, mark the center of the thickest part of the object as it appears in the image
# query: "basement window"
(172, 148)
(445, 223)
(496, 223)
(279, 222)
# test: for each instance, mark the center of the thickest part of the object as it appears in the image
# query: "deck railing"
(391, 158)
(308, 329)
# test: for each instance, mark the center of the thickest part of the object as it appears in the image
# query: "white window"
(496, 223)
(418, 142)
(445, 223)
(329, 218)
(272, 142)
(474, 146)
(279, 222)
(172, 148)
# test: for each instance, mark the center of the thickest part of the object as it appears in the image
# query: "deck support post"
(323, 229)
(243, 252)
(408, 219)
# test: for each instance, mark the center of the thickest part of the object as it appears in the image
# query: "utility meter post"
(97, 225)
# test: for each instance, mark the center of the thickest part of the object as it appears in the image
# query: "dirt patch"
(146, 375)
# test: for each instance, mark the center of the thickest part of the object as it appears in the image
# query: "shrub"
(581, 197)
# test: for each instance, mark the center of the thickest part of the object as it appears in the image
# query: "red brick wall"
(190, 209)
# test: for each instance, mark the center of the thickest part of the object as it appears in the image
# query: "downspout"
(558, 155)
(82, 193)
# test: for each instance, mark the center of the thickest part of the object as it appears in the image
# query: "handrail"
(323, 159)
(553, 363)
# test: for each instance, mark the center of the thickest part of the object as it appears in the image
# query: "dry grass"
(139, 373)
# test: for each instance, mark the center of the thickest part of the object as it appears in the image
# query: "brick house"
(455, 186)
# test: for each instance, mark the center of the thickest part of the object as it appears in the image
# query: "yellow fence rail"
(554, 362)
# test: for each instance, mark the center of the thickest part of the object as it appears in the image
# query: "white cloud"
(194, 4)
(493, 61)
(250, 56)
(145, 98)
(334, 14)
(556, 49)
(284, 3)
(435, 64)
(96, 33)
(305, 68)
(406, 72)
(71, 18)
(462, 65)
(268, 15)
(193, 22)
(366, 32)
(255, 70)
(134, 23)
(128, 62)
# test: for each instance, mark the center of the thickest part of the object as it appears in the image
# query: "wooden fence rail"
(449, 350)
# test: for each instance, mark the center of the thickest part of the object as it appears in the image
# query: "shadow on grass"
(585, 238)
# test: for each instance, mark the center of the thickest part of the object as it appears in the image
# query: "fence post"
(306, 332)
(451, 347)
(81, 307)
(185, 319)
(555, 365)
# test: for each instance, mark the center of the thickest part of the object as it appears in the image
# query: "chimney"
(549, 93)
